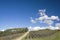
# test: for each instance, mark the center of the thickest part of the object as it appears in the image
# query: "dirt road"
(21, 37)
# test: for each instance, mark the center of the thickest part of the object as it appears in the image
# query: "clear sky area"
(17, 13)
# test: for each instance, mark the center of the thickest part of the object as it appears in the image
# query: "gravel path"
(21, 37)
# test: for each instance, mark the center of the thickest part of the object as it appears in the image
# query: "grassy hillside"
(33, 35)
(10, 34)
(43, 35)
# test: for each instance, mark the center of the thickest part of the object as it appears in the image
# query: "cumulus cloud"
(52, 28)
(33, 21)
(45, 18)
(2, 30)
(36, 28)
(49, 20)
(58, 25)
(54, 18)
(42, 12)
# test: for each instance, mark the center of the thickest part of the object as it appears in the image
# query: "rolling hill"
(43, 35)
(10, 34)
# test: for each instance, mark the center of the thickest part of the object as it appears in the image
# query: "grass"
(11, 34)
(33, 35)
(49, 35)
(10, 37)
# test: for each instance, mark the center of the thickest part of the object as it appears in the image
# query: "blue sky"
(17, 13)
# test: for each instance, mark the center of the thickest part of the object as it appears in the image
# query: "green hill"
(10, 34)
(43, 35)
(47, 34)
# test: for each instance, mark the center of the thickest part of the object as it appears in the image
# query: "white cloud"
(42, 12)
(52, 28)
(49, 22)
(46, 19)
(58, 25)
(34, 28)
(54, 18)
(42, 28)
(2, 30)
(43, 17)
(33, 21)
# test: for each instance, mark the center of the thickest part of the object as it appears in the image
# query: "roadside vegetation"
(43, 35)
(46, 34)
(10, 34)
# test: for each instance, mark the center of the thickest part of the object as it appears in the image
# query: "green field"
(43, 35)
(11, 34)
(33, 35)
(11, 37)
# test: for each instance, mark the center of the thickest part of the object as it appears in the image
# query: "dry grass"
(44, 35)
